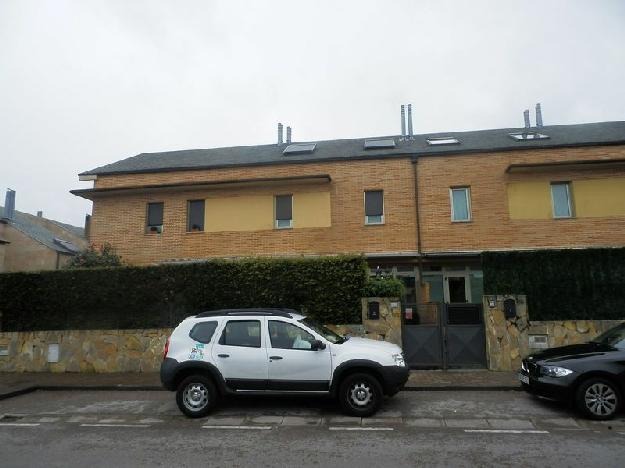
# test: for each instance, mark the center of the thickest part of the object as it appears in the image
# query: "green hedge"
(384, 287)
(561, 284)
(327, 288)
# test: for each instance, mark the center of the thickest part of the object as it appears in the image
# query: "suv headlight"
(399, 359)
(555, 371)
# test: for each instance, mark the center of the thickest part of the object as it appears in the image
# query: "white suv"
(276, 351)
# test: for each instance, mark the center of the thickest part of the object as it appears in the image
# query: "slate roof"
(27, 224)
(479, 141)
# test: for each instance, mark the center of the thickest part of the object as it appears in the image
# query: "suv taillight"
(166, 349)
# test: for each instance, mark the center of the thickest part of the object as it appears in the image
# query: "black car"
(591, 376)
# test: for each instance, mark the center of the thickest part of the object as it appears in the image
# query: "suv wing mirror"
(316, 345)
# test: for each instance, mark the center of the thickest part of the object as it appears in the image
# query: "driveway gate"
(444, 336)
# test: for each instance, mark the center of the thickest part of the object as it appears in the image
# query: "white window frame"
(275, 219)
(364, 206)
(568, 199)
(467, 189)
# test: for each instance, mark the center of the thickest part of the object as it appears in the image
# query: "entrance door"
(456, 288)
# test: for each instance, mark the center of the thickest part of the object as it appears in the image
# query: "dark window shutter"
(374, 203)
(155, 214)
(284, 207)
(195, 220)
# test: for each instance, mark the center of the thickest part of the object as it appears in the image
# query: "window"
(442, 141)
(288, 336)
(374, 207)
(241, 333)
(382, 143)
(284, 211)
(155, 218)
(203, 331)
(561, 200)
(460, 204)
(195, 215)
(299, 148)
(526, 136)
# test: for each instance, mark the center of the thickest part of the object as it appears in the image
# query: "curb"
(467, 388)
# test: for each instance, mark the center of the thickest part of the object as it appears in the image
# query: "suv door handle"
(223, 355)
(275, 357)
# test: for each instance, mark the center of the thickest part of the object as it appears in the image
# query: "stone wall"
(84, 350)
(508, 340)
(142, 350)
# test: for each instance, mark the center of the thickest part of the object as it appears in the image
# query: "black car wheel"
(598, 398)
(196, 396)
(360, 395)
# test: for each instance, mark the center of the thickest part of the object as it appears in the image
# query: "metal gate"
(444, 336)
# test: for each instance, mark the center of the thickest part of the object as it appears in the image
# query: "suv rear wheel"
(196, 396)
(360, 394)
(598, 398)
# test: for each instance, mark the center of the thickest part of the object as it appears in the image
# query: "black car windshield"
(323, 331)
(614, 337)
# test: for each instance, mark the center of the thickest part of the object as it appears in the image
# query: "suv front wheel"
(196, 396)
(360, 395)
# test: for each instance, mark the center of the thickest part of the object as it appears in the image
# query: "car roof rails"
(230, 312)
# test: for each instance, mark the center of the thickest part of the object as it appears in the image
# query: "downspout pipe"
(415, 163)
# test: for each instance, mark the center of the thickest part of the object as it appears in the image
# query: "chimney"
(288, 135)
(9, 204)
(539, 116)
(410, 121)
(279, 133)
(39, 214)
(403, 122)
(526, 117)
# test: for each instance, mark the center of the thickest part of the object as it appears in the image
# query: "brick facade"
(120, 220)
(491, 227)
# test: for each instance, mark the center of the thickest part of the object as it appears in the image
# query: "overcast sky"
(86, 83)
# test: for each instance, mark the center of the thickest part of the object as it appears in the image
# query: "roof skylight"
(447, 140)
(525, 136)
(381, 143)
(299, 148)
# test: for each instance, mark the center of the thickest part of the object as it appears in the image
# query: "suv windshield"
(323, 331)
(614, 337)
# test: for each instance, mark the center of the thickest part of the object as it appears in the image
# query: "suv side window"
(203, 331)
(241, 333)
(285, 335)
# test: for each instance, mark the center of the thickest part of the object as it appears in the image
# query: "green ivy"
(561, 284)
(384, 287)
(326, 288)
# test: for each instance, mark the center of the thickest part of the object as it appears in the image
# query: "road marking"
(115, 425)
(20, 424)
(258, 428)
(348, 428)
(507, 431)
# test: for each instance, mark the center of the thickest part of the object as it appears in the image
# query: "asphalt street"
(438, 428)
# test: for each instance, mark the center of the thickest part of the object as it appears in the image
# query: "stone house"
(35, 243)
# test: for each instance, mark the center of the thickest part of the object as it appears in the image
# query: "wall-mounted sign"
(492, 302)
(4, 350)
(53, 352)
(408, 313)
(538, 341)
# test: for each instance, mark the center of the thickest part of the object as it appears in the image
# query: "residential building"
(35, 243)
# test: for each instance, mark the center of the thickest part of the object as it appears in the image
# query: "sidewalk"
(13, 384)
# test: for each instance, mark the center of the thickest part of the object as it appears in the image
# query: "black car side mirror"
(317, 345)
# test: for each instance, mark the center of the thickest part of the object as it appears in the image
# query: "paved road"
(99, 428)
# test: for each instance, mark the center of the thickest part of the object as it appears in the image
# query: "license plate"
(524, 378)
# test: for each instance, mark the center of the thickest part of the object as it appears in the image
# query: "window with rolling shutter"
(154, 221)
(195, 216)
(374, 207)
(284, 211)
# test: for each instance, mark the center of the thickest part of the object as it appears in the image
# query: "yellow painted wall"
(529, 200)
(245, 213)
(256, 212)
(592, 198)
(599, 197)
(311, 209)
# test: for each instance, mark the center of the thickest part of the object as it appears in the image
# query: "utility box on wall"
(381, 319)
(373, 311)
